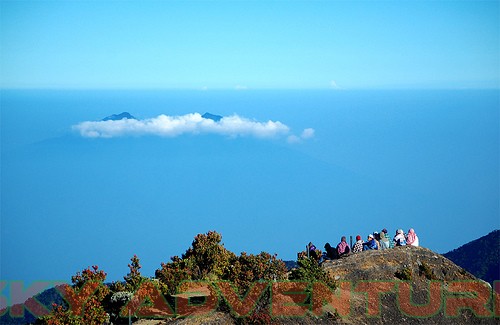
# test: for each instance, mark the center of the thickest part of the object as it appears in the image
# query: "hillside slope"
(480, 257)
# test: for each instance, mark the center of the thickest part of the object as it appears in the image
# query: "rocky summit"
(213, 117)
(399, 263)
(416, 286)
(117, 117)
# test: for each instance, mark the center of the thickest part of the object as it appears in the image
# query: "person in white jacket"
(399, 239)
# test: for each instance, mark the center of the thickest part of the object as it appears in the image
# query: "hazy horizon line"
(246, 89)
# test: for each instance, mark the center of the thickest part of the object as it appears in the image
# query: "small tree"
(310, 271)
(209, 256)
(92, 313)
(60, 316)
(134, 278)
(206, 259)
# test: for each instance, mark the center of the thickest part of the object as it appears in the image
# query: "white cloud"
(307, 133)
(172, 126)
(193, 123)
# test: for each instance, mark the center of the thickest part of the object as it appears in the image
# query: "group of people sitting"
(375, 241)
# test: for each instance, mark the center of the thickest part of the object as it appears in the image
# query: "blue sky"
(254, 44)
(77, 192)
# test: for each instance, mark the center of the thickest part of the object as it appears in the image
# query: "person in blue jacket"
(370, 244)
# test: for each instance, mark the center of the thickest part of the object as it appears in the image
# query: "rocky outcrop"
(406, 294)
(400, 263)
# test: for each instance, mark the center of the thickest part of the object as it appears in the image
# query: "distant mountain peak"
(117, 117)
(480, 256)
(212, 117)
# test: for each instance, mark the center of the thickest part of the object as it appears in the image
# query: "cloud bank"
(193, 123)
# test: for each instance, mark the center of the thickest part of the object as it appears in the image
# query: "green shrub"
(425, 270)
(206, 259)
(404, 274)
(248, 268)
(172, 274)
(310, 271)
(60, 316)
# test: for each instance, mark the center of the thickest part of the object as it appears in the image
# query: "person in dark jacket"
(330, 252)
